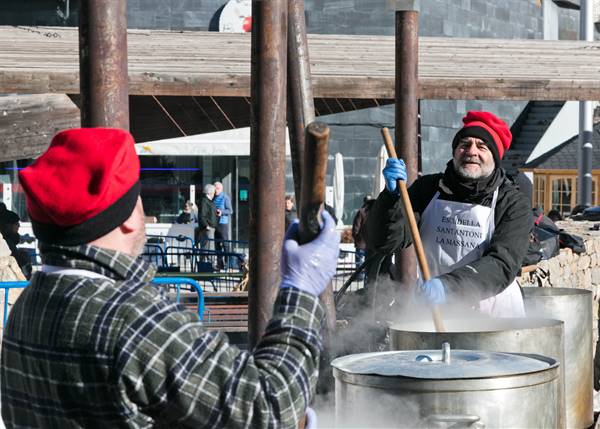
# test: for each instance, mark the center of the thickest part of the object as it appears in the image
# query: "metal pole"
(267, 159)
(103, 63)
(407, 112)
(586, 121)
(301, 108)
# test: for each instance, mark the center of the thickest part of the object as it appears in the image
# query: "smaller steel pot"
(471, 389)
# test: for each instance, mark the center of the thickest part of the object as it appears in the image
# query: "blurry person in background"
(224, 211)
(473, 221)
(9, 227)
(10, 222)
(187, 215)
(207, 219)
(290, 211)
(91, 342)
(359, 231)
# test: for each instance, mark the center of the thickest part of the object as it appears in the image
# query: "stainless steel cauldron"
(470, 389)
(513, 335)
(574, 307)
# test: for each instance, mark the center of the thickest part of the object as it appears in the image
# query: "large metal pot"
(513, 335)
(574, 307)
(474, 389)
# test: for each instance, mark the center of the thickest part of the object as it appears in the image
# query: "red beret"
(488, 127)
(85, 185)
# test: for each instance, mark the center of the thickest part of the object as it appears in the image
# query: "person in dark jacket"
(10, 223)
(290, 211)
(224, 211)
(207, 218)
(187, 215)
(9, 228)
(92, 343)
(473, 221)
(359, 229)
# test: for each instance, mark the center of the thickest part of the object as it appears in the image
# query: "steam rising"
(366, 316)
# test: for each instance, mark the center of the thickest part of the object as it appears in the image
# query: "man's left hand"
(432, 292)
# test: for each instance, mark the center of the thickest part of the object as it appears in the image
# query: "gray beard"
(470, 175)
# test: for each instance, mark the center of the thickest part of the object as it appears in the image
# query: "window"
(539, 187)
(563, 194)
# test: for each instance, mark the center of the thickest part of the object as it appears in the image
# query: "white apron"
(455, 234)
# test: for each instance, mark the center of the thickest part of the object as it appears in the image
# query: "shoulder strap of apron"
(492, 218)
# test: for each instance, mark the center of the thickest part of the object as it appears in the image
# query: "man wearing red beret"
(92, 343)
(473, 221)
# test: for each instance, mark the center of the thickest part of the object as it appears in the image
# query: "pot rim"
(539, 323)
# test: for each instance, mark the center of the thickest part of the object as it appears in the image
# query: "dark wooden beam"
(30, 122)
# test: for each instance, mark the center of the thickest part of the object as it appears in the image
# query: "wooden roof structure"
(45, 60)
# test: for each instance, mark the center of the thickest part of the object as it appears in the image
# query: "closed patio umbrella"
(379, 182)
(338, 187)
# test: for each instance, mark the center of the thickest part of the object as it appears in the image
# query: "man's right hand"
(394, 170)
(311, 266)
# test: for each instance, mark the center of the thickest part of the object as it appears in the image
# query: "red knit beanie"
(84, 186)
(489, 128)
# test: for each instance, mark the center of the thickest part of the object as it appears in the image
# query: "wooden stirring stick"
(414, 229)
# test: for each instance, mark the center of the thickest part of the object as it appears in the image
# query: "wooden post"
(407, 111)
(267, 160)
(301, 108)
(103, 63)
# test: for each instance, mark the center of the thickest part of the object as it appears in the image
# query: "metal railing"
(155, 254)
(232, 246)
(7, 286)
(177, 282)
(347, 264)
(202, 260)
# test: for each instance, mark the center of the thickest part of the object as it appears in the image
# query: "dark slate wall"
(173, 14)
(356, 135)
(38, 12)
(568, 25)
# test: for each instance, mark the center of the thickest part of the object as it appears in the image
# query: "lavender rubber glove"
(432, 292)
(311, 419)
(311, 266)
(394, 170)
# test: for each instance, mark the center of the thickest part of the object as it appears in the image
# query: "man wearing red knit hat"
(92, 343)
(473, 221)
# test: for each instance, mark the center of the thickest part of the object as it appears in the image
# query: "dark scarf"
(472, 191)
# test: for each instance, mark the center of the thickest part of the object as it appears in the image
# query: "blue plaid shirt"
(112, 352)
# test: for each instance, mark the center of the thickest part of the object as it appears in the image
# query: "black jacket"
(496, 269)
(359, 225)
(290, 216)
(207, 213)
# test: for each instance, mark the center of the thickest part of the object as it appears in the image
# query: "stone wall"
(569, 270)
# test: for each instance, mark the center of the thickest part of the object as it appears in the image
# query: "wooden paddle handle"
(413, 227)
(312, 200)
(312, 193)
(302, 422)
